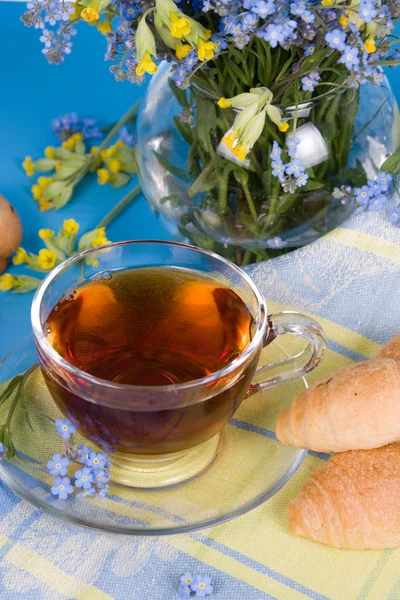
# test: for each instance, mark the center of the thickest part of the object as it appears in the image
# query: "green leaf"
(241, 175)
(357, 177)
(28, 284)
(185, 130)
(178, 172)
(206, 181)
(392, 164)
(179, 94)
(206, 123)
(313, 184)
(10, 388)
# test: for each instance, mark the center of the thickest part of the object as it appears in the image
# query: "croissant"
(356, 408)
(353, 501)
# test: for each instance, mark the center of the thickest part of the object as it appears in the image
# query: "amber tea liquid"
(151, 326)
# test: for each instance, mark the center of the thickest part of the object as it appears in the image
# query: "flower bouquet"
(271, 142)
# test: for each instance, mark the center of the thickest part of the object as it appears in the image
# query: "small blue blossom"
(308, 17)
(102, 493)
(377, 203)
(202, 586)
(84, 478)
(393, 214)
(309, 50)
(187, 579)
(62, 488)
(101, 477)
(3, 451)
(367, 11)
(264, 9)
(350, 57)
(184, 591)
(336, 39)
(308, 84)
(58, 465)
(96, 461)
(275, 243)
(65, 428)
(363, 195)
(276, 151)
(291, 143)
(298, 8)
(278, 169)
(272, 33)
(384, 180)
(86, 493)
(83, 453)
(301, 179)
(128, 138)
(294, 168)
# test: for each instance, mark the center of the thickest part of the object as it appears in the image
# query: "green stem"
(250, 202)
(122, 204)
(223, 191)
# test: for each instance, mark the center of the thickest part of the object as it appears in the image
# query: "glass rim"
(260, 320)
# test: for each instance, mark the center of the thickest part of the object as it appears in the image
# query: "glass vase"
(238, 208)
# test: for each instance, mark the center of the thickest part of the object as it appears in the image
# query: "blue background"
(31, 94)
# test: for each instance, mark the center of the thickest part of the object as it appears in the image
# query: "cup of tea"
(149, 347)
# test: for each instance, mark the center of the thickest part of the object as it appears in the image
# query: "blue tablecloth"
(348, 280)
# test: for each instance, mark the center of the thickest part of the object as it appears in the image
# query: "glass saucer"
(250, 467)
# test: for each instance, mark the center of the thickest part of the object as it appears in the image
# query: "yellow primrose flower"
(344, 21)
(101, 240)
(49, 152)
(206, 50)
(37, 191)
(146, 65)
(7, 282)
(370, 45)
(47, 259)
(28, 166)
(240, 150)
(44, 205)
(108, 152)
(90, 14)
(101, 231)
(224, 103)
(283, 127)
(230, 139)
(104, 27)
(94, 149)
(102, 176)
(328, 2)
(183, 50)
(20, 257)
(180, 28)
(71, 226)
(43, 182)
(46, 234)
(69, 144)
(119, 144)
(115, 166)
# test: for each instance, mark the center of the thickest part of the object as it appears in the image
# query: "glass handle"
(291, 323)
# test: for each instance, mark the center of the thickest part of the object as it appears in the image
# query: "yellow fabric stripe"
(52, 576)
(341, 335)
(365, 242)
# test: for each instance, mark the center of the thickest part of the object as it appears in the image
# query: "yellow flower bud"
(101, 231)
(206, 50)
(102, 176)
(328, 2)
(115, 166)
(20, 257)
(46, 234)
(224, 103)
(240, 151)
(90, 14)
(344, 21)
(283, 127)
(44, 205)
(58, 166)
(183, 50)
(71, 226)
(28, 166)
(180, 28)
(119, 144)
(370, 45)
(146, 65)
(104, 27)
(94, 149)
(43, 182)
(7, 282)
(47, 259)
(100, 241)
(49, 152)
(230, 139)
(37, 191)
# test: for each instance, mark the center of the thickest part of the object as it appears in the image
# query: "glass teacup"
(164, 434)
